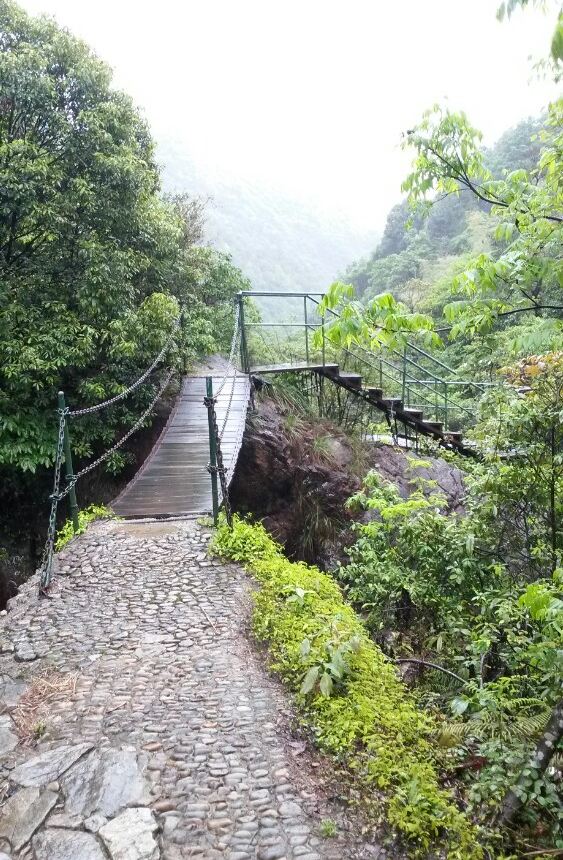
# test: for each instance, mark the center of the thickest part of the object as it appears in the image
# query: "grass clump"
(357, 707)
(85, 517)
(33, 710)
(328, 828)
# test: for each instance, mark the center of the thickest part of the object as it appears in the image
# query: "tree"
(527, 205)
(85, 241)
(94, 263)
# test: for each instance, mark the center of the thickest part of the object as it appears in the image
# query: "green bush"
(85, 517)
(362, 714)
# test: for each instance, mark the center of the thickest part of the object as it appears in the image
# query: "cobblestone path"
(155, 729)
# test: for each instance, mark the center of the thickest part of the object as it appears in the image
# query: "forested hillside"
(280, 243)
(415, 252)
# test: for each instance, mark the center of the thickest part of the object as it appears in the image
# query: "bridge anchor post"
(69, 469)
(212, 448)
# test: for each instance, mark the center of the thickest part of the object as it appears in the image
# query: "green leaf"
(326, 684)
(459, 706)
(310, 680)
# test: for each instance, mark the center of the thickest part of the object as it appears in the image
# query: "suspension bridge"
(192, 464)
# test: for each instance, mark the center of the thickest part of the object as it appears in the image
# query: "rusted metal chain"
(88, 410)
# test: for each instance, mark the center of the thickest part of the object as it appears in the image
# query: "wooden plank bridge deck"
(174, 479)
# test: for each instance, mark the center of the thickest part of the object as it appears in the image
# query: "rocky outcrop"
(296, 474)
(85, 790)
(295, 486)
(403, 469)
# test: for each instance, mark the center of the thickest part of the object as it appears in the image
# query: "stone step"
(435, 426)
(354, 380)
(373, 393)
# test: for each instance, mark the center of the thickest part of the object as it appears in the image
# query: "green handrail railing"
(414, 375)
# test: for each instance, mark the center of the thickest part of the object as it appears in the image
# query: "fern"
(520, 720)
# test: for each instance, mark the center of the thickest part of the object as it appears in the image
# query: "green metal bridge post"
(445, 405)
(69, 470)
(212, 451)
(243, 345)
(322, 378)
(404, 382)
(306, 329)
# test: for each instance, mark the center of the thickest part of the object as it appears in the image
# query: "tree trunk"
(538, 762)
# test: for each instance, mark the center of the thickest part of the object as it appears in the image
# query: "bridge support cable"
(63, 453)
(216, 466)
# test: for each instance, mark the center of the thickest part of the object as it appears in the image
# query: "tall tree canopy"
(524, 273)
(93, 261)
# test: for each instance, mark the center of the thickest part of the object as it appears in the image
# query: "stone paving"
(168, 739)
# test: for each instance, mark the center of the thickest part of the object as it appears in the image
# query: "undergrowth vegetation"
(474, 602)
(85, 517)
(349, 693)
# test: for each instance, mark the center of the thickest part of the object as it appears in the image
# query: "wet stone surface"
(173, 743)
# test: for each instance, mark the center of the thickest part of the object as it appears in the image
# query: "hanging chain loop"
(115, 447)
(57, 495)
(47, 557)
(233, 351)
(233, 378)
(88, 410)
(219, 469)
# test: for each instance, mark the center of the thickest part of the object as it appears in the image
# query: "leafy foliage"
(526, 205)
(383, 322)
(85, 517)
(349, 693)
(481, 594)
(95, 265)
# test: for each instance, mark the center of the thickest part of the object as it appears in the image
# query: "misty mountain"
(280, 243)
(414, 253)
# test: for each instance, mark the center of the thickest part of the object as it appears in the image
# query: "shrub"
(362, 715)
(85, 517)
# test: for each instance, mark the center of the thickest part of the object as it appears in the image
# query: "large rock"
(284, 477)
(53, 844)
(23, 813)
(402, 468)
(130, 836)
(10, 691)
(48, 766)
(105, 783)
(8, 737)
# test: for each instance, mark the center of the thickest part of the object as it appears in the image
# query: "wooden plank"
(284, 368)
(174, 479)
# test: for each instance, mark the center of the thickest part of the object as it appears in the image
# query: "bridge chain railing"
(64, 454)
(216, 465)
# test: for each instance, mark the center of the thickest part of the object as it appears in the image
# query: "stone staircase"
(395, 410)
(411, 417)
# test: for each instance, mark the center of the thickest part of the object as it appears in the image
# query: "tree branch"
(430, 666)
(460, 175)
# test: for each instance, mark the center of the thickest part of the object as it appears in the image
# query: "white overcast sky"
(311, 96)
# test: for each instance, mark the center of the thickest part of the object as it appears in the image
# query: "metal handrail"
(435, 386)
(405, 358)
